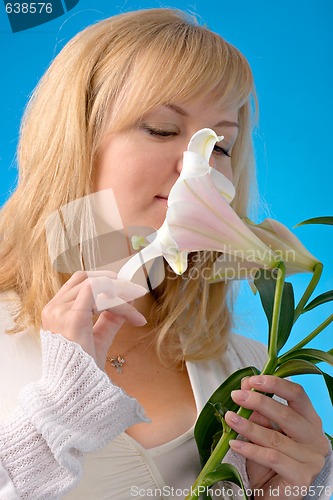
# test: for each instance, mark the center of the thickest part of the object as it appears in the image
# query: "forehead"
(205, 108)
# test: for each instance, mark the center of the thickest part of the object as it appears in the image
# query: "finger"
(124, 289)
(105, 296)
(268, 438)
(129, 313)
(87, 293)
(292, 471)
(290, 391)
(76, 278)
(255, 416)
(291, 422)
(245, 385)
(128, 291)
(108, 298)
(259, 419)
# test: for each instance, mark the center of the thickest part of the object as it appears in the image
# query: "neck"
(129, 333)
(144, 305)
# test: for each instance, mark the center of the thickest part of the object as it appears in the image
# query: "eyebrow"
(182, 112)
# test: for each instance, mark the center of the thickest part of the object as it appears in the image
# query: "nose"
(212, 161)
(179, 165)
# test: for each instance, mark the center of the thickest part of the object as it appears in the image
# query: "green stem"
(216, 457)
(311, 335)
(318, 269)
(223, 445)
(273, 337)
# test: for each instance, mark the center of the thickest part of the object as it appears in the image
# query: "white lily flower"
(196, 162)
(195, 165)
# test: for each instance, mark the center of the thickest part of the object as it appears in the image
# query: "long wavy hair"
(103, 81)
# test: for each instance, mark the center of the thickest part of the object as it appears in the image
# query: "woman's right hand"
(71, 311)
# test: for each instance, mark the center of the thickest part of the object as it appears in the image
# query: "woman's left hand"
(283, 462)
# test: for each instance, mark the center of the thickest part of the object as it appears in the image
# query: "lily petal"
(229, 267)
(176, 258)
(196, 162)
(150, 252)
(203, 220)
(202, 142)
(285, 244)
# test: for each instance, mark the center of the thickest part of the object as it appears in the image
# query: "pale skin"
(141, 165)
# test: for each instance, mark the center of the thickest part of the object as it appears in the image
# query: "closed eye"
(158, 132)
(221, 151)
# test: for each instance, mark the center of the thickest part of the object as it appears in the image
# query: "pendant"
(117, 362)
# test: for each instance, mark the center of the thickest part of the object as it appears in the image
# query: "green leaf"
(329, 384)
(301, 367)
(216, 439)
(286, 320)
(311, 355)
(321, 299)
(330, 438)
(317, 220)
(207, 424)
(265, 284)
(219, 411)
(296, 367)
(226, 472)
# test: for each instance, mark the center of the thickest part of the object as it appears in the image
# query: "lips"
(163, 199)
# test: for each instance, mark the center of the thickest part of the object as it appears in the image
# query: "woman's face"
(142, 164)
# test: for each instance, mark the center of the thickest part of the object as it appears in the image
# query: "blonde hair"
(103, 81)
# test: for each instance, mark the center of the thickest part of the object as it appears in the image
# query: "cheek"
(228, 172)
(224, 167)
(115, 171)
(134, 181)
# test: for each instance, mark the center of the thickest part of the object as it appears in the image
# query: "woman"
(115, 111)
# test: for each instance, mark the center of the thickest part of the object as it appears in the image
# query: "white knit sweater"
(56, 411)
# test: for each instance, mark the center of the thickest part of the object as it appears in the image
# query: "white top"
(178, 461)
(57, 408)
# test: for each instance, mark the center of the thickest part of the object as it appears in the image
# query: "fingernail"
(240, 395)
(236, 419)
(257, 380)
(236, 444)
(142, 320)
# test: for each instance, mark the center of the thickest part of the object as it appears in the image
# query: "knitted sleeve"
(74, 408)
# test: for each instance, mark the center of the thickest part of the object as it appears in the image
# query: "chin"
(151, 216)
(154, 222)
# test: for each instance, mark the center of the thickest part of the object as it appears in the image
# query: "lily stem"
(311, 335)
(222, 446)
(216, 457)
(273, 337)
(318, 269)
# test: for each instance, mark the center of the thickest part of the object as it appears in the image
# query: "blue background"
(289, 45)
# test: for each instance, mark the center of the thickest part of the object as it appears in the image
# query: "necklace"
(117, 362)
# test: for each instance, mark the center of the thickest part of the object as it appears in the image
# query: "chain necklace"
(119, 360)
